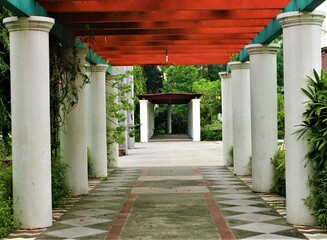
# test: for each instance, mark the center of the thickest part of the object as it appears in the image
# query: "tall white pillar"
(130, 113)
(144, 120)
(227, 116)
(112, 122)
(241, 117)
(73, 137)
(169, 129)
(196, 116)
(302, 54)
(151, 120)
(30, 114)
(96, 126)
(263, 72)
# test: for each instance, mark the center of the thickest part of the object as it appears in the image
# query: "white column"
(73, 137)
(196, 116)
(112, 122)
(151, 120)
(130, 114)
(169, 129)
(144, 122)
(263, 72)
(241, 117)
(190, 119)
(227, 116)
(30, 114)
(96, 126)
(302, 54)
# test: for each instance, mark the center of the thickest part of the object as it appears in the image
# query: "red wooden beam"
(174, 42)
(162, 5)
(137, 16)
(170, 24)
(169, 47)
(254, 30)
(160, 52)
(106, 39)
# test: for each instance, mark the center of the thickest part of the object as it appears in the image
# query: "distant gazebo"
(147, 117)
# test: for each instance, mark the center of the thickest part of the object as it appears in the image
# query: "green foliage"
(154, 79)
(64, 69)
(314, 127)
(314, 130)
(278, 162)
(212, 131)
(180, 79)
(280, 115)
(115, 109)
(6, 204)
(211, 72)
(317, 200)
(5, 118)
(231, 155)
(139, 80)
(210, 100)
(60, 192)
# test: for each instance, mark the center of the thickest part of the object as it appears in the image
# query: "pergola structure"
(147, 115)
(142, 32)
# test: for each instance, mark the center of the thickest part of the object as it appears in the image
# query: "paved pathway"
(169, 190)
(171, 203)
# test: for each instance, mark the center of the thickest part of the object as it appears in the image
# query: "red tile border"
(218, 218)
(144, 172)
(196, 171)
(119, 223)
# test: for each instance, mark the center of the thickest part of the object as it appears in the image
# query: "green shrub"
(211, 132)
(60, 191)
(6, 205)
(231, 155)
(314, 130)
(317, 200)
(278, 162)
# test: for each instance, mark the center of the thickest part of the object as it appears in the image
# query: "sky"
(323, 7)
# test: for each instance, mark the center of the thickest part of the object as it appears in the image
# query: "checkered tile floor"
(246, 215)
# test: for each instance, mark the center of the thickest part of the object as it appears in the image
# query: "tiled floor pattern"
(279, 204)
(123, 203)
(93, 215)
(248, 216)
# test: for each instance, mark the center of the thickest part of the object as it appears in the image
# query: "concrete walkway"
(173, 153)
(168, 191)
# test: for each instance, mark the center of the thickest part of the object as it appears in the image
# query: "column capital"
(254, 49)
(34, 23)
(291, 19)
(99, 68)
(196, 100)
(239, 65)
(224, 75)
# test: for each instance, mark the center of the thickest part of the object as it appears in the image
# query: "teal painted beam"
(25, 8)
(273, 29)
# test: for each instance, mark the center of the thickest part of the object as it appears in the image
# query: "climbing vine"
(116, 104)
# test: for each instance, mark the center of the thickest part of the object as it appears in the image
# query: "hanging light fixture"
(166, 55)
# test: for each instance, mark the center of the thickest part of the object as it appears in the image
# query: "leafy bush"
(211, 132)
(314, 130)
(60, 191)
(278, 162)
(317, 200)
(6, 205)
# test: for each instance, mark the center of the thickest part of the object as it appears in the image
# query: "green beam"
(25, 8)
(273, 29)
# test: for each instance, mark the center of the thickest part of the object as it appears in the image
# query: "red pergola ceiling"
(141, 32)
